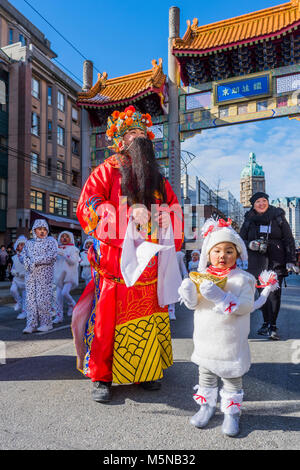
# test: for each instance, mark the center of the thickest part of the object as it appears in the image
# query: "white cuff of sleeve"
(229, 304)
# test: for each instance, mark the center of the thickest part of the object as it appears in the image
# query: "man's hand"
(162, 218)
(140, 215)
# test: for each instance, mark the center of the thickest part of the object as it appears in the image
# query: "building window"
(49, 167)
(58, 206)
(74, 208)
(10, 36)
(60, 136)
(75, 114)
(3, 104)
(35, 124)
(49, 131)
(37, 200)
(282, 101)
(49, 95)
(35, 88)
(60, 101)
(75, 146)
(22, 40)
(3, 193)
(60, 171)
(34, 164)
(75, 178)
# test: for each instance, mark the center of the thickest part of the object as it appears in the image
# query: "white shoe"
(57, 320)
(230, 426)
(28, 330)
(21, 316)
(202, 417)
(45, 328)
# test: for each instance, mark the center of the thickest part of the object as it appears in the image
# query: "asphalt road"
(46, 402)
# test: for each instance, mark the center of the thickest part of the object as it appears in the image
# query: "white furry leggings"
(210, 380)
(61, 295)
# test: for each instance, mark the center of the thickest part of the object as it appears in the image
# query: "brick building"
(44, 138)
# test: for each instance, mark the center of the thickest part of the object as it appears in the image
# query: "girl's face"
(88, 245)
(65, 239)
(41, 232)
(195, 257)
(20, 247)
(223, 255)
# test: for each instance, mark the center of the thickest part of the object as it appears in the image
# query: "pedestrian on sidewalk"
(39, 257)
(270, 245)
(65, 274)
(3, 262)
(193, 263)
(221, 324)
(17, 288)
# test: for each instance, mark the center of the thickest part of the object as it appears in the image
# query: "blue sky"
(123, 37)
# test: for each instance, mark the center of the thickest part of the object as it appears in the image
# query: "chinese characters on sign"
(241, 89)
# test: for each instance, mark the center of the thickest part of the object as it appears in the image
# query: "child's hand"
(188, 293)
(212, 292)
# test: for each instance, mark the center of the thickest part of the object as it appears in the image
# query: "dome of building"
(252, 168)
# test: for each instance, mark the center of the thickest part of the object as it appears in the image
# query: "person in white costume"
(65, 274)
(86, 273)
(39, 257)
(17, 288)
(222, 324)
(193, 263)
(184, 273)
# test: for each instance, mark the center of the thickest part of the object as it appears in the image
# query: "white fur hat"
(219, 231)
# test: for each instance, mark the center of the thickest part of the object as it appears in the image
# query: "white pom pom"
(269, 278)
(209, 225)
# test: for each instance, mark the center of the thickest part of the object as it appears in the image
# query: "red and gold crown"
(121, 122)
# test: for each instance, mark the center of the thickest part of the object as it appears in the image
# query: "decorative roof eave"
(250, 41)
(183, 46)
(153, 82)
(111, 104)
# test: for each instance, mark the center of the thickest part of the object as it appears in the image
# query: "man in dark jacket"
(271, 246)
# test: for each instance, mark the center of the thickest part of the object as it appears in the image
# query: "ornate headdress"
(121, 122)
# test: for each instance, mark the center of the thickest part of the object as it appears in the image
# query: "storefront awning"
(56, 221)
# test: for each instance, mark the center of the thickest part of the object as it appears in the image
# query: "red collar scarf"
(219, 272)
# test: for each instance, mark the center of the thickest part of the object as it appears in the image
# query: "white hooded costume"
(17, 288)
(221, 317)
(86, 273)
(39, 255)
(65, 275)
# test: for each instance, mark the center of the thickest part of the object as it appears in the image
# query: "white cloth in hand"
(212, 292)
(188, 294)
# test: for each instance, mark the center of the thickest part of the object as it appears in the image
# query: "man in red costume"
(128, 207)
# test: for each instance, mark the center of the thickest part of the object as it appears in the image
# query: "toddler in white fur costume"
(222, 323)
(65, 273)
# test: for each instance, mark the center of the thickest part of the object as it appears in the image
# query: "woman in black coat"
(271, 246)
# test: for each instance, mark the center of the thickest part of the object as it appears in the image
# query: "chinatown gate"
(230, 72)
